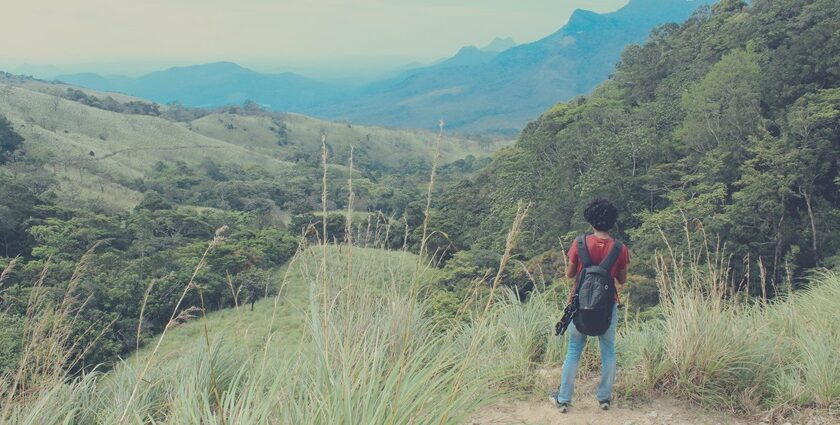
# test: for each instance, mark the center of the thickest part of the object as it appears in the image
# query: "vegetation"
(103, 173)
(726, 125)
(377, 354)
(374, 340)
(110, 104)
(10, 141)
(731, 118)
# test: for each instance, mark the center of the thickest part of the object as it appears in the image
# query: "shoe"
(604, 404)
(560, 405)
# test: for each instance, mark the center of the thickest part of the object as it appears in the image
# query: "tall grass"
(717, 349)
(358, 367)
(372, 359)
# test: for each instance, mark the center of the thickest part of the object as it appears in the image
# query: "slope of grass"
(744, 356)
(96, 152)
(349, 339)
(380, 147)
(94, 144)
(281, 319)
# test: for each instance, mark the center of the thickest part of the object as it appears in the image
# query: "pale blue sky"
(269, 34)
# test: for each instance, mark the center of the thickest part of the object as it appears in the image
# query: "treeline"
(174, 111)
(731, 119)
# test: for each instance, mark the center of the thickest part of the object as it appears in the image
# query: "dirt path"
(586, 412)
(538, 410)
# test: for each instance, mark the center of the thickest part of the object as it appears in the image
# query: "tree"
(813, 126)
(252, 108)
(722, 110)
(759, 209)
(252, 284)
(10, 140)
(20, 203)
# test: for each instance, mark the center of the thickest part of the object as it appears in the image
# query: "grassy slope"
(280, 319)
(380, 361)
(64, 133)
(58, 88)
(376, 358)
(742, 357)
(387, 145)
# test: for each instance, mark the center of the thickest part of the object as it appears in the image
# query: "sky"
(136, 36)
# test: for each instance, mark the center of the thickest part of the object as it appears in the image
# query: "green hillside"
(94, 152)
(98, 155)
(375, 148)
(140, 188)
(730, 120)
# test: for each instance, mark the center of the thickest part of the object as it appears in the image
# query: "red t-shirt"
(599, 249)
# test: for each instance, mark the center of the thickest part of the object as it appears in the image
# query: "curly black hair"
(601, 214)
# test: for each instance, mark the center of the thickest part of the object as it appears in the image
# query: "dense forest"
(730, 120)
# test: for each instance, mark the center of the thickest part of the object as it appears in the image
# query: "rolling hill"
(216, 84)
(97, 153)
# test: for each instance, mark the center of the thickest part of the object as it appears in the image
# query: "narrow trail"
(538, 410)
(586, 412)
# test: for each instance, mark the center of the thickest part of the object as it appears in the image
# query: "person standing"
(601, 248)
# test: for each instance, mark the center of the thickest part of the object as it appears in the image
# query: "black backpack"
(595, 291)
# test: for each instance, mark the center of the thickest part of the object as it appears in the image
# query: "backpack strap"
(583, 251)
(608, 262)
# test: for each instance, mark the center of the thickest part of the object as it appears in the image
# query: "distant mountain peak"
(583, 19)
(499, 44)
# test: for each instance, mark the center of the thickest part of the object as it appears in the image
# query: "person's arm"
(621, 278)
(572, 263)
(621, 274)
(571, 269)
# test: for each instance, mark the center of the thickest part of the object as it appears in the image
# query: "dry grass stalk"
(47, 354)
(283, 283)
(427, 210)
(142, 311)
(322, 273)
(510, 244)
(405, 233)
(348, 223)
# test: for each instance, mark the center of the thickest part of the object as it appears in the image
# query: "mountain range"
(498, 88)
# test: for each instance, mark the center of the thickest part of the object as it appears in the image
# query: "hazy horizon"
(320, 38)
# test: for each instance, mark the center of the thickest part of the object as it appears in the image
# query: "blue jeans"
(577, 341)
